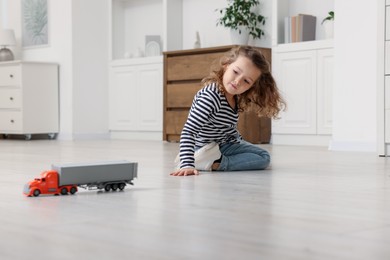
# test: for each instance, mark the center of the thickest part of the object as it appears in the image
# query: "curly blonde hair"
(263, 97)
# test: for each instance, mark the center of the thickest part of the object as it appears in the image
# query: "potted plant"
(327, 22)
(242, 20)
(330, 17)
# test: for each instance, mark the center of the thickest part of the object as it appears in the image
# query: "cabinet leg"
(52, 135)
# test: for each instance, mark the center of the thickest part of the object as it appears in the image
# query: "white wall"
(354, 119)
(78, 42)
(200, 15)
(89, 68)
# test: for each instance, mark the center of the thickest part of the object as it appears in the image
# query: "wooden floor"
(311, 204)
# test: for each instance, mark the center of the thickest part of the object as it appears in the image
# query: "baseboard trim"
(352, 146)
(305, 140)
(128, 135)
(89, 136)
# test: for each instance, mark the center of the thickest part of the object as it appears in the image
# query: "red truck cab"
(47, 184)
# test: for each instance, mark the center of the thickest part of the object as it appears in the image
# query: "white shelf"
(136, 61)
(132, 20)
(286, 8)
(301, 46)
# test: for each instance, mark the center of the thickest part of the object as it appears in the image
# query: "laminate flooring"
(311, 204)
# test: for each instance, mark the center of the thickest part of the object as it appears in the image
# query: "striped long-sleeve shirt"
(210, 119)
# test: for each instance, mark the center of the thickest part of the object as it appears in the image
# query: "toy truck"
(65, 178)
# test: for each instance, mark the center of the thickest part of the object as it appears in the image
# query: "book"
(287, 29)
(307, 27)
(300, 28)
(293, 29)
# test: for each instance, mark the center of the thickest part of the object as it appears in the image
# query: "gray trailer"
(102, 175)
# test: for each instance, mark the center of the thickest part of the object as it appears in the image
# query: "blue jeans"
(243, 156)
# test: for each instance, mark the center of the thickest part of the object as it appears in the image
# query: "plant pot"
(239, 36)
(328, 28)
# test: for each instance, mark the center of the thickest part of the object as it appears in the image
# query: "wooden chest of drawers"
(183, 71)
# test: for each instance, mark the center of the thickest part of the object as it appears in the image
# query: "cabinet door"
(325, 91)
(387, 57)
(136, 98)
(123, 101)
(295, 74)
(387, 25)
(387, 109)
(149, 97)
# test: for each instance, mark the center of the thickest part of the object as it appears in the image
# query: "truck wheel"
(73, 190)
(122, 186)
(36, 193)
(114, 187)
(64, 191)
(107, 187)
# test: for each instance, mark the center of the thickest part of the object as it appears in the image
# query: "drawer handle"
(12, 121)
(11, 76)
(11, 98)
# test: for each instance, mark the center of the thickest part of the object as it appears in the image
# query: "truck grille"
(26, 189)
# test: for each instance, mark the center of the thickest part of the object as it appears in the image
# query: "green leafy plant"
(330, 17)
(239, 13)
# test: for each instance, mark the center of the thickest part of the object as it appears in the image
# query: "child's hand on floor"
(185, 172)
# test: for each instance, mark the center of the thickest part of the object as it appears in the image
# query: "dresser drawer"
(10, 121)
(181, 95)
(387, 24)
(10, 76)
(190, 67)
(387, 125)
(175, 120)
(10, 98)
(387, 58)
(387, 92)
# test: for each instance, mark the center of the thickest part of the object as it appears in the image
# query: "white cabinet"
(325, 71)
(304, 74)
(136, 78)
(28, 98)
(387, 109)
(135, 92)
(295, 73)
(383, 88)
(387, 75)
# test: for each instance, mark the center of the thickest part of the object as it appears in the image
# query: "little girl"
(210, 140)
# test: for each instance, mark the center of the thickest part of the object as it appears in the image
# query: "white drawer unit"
(10, 121)
(387, 57)
(387, 23)
(383, 89)
(10, 98)
(387, 76)
(29, 98)
(10, 75)
(387, 109)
